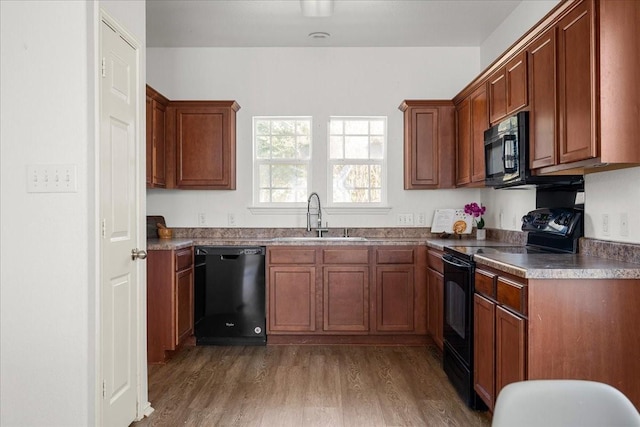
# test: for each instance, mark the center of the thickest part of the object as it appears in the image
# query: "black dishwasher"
(229, 295)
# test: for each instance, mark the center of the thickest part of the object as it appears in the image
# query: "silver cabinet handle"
(138, 253)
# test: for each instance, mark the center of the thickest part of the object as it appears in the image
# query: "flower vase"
(481, 234)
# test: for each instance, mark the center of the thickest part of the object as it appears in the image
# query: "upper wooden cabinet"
(428, 144)
(576, 73)
(508, 88)
(577, 85)
(471, 122)
(202, 153)
(156, 134)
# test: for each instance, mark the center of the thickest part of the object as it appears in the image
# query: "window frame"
(257, 163)
(382, 162)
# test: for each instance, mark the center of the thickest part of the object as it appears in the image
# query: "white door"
(118, 214)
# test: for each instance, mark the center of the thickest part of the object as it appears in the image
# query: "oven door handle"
(450, 259)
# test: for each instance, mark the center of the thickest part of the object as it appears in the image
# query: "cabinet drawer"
(345, 256)
(512, 294)
(292, 255)
(184, 259)
(395, 256)
(485, 283)
(434, 260)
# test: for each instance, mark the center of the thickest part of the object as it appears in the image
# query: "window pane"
(356, 147)
(263, 127)
(375, 196)
(264, 176)
(265, 196)
(377, 147)
(282, 127)
(303, 127)
(356, 127)
(304, 147)
(375, 176)
(336, 147)
(376, 127)
(263, 147)
(336, 127)
(288, 176)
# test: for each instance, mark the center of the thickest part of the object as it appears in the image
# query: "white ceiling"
(354, 23)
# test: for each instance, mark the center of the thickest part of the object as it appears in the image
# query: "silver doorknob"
(138, 253)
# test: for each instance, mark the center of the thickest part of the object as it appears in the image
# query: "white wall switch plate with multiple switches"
(405, 219)
(52, 179)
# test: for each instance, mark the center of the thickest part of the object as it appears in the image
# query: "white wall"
(613, 193)
(47, 267)
(525, 16)
(315, 81)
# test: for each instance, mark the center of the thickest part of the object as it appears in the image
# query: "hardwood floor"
(306, 386)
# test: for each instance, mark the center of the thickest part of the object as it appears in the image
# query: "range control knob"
(527, 219)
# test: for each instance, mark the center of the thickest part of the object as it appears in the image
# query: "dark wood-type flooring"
(306, 386)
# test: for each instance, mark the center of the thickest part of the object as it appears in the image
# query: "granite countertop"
(560, 266)
(528, 266)
(179, 243)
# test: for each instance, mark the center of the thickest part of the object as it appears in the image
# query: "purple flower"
(476, 211)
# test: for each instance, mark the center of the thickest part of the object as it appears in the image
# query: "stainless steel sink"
(319, 239)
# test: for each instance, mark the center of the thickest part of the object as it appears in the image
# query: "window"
(357, 151)
(282, 159)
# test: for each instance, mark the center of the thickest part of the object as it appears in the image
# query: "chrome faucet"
(319, 228)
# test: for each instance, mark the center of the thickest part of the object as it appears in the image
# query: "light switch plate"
(52, 178)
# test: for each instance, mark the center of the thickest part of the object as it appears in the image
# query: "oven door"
(458, 300)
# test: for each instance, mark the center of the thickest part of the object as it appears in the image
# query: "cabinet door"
(158, 146)
(429, 144)
(516, 79)
(183, 305)
(203, 144)
(435, 319)
(292, 299)
(464, 142)
(484, 349)
(577, 85)
(346, 298)
(497, 96)
(510, 349)
(543, 101)
(479, 123)
(422, 149)
(394, 298)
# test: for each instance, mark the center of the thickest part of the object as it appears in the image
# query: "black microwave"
(506, 157)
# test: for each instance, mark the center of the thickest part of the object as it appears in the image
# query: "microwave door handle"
(508, 153)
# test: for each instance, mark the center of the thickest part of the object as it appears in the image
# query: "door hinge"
(104, 228)
(103, 67)
(104, 389)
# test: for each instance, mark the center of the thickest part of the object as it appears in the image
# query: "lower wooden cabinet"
(326, 290)
(499, 333)
(169, 301)
(346, 299)
(435, 297)
(394, 298)
(292, 299)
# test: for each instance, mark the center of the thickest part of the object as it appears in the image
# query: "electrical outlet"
(202, 219)
(231, 219)
(51, 179)
(421, 219)
(624, 224)
(605, 224)
(405, 219)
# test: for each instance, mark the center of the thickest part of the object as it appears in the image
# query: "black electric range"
(548, 231)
